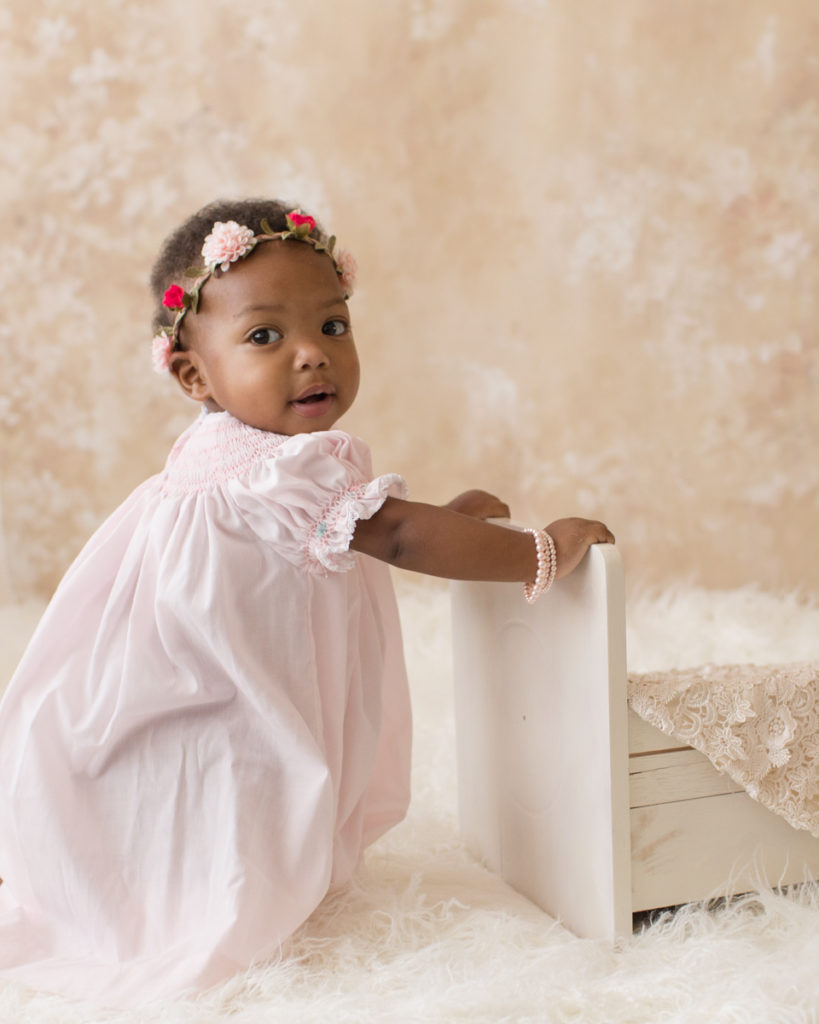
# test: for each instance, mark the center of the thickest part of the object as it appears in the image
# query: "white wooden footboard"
(574, 800)
(541, 722)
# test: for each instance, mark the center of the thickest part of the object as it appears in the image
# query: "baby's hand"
(479, 505)
(573, 537)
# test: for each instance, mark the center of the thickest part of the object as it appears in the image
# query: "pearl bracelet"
(546, 566)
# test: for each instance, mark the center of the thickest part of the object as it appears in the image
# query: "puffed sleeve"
(307, 497)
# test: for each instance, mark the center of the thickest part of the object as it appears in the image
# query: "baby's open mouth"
(316, 401)
(319, 396)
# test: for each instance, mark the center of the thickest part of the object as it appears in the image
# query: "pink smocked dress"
(209, 725)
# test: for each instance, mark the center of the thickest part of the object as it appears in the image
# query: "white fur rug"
(427, 935)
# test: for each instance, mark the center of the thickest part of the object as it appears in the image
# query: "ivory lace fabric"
(209, 725)
(759, 724)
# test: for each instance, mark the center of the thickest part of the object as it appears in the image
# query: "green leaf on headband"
(331, 244)
(196, 271)
(266, 228)
(194, 306)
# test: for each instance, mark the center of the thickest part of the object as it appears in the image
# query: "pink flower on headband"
(162, 348)
(174, 297)
(227, 243)
(347, 268)
(296, 219)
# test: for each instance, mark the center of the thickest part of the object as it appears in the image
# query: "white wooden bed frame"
(578, 803)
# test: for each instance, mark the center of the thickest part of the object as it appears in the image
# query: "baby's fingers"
(602, 534)
(572, 538)
(480, 505)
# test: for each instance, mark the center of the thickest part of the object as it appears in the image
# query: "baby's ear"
(186, 367)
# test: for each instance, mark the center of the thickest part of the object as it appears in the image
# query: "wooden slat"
(644, 738)
(667, 759)
(688, 781)
(718, 845)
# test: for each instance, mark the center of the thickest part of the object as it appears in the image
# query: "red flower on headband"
(296, 219)
(174, 297)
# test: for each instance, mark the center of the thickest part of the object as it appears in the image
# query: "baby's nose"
(310, 352)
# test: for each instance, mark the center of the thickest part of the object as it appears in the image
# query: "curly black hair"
(183, 248)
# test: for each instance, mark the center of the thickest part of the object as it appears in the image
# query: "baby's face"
(272, 342)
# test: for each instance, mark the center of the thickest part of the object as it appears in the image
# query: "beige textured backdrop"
(586, 233)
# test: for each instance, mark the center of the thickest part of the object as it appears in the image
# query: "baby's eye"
(335, 327)
(264, 336)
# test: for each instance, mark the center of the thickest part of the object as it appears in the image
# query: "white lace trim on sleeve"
(328, 543)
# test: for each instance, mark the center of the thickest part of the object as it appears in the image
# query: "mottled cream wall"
(586, 232)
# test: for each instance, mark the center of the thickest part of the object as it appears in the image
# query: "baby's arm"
(440, 541)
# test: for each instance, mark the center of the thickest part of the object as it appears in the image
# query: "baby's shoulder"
(215, 450)
(219, 449)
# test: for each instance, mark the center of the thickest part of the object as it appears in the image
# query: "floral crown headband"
(228, 242)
